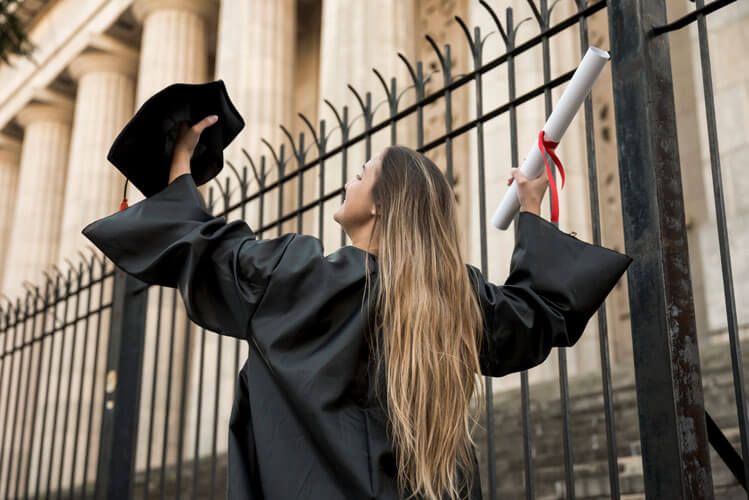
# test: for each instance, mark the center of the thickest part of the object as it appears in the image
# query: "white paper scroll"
(572, 98)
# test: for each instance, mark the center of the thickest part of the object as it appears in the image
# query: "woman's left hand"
(530, 191)
(184, 146)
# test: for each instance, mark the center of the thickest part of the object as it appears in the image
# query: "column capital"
(203, 8)
(102, 62)
(44, 112)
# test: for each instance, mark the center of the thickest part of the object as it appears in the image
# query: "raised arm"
(556, 284)
(170, 239)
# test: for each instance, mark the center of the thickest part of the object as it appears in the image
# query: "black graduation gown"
(299, 428)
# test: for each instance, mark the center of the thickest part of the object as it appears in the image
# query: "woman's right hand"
(530, 191)
(184, 146)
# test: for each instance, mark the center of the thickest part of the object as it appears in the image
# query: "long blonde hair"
(431, 325)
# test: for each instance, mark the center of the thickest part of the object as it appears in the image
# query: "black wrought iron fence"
(106, 390)
(52, 381)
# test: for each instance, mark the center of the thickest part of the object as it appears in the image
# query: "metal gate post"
(664, 335)
(119, 429)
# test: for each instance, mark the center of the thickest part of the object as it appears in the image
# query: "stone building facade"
(98, 60)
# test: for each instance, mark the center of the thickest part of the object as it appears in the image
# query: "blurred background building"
(96, 61)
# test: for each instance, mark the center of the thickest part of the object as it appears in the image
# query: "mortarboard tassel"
(123, 203)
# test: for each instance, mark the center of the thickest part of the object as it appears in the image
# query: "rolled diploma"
(572, 98)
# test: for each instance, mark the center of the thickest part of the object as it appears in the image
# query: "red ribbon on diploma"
(548, 147)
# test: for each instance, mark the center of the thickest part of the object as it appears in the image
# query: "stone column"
(36, 222)
(256, 42)
(255, 58)
(174, 49)
(356, 37)
(10, 154)
(104, 103)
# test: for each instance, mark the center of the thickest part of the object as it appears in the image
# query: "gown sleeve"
(556, 283)
(171, 239)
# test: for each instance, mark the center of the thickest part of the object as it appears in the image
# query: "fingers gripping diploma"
(530, 191)
(184, 146)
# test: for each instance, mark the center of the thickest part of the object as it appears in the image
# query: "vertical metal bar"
(481, 160)
(393, 111)
(8, 352)
(447, 67)
(65, 300)
(116, 468)
(528, 467)
(154, 386)
(52, 337)
(26, 399)
(544, 23)
(561, 351)
(344, 158)
(525, 405)
(299, 191)
(63, 461)
(420, 101)
(664, 334)
(34, 435)
(86, 323)
(603, 340)
(182, 403)
(214, 457)
(368, 125)
(21, 355)
(237, 342)
(94, 380)
(281, 166)
(4, 331)
(321, 185)
(261, 203)
(725, 251)
(168, 397)
(196, 452)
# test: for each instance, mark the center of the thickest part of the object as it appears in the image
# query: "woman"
(363, 362)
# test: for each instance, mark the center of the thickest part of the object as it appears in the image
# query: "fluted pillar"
(174, 44)
(255, 58)
(36, 222)
(357, 36)
(10, 155)
(174, 49)
(105, 99)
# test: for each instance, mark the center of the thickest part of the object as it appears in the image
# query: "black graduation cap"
(142, 151)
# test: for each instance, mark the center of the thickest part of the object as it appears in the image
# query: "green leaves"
(13, 39)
